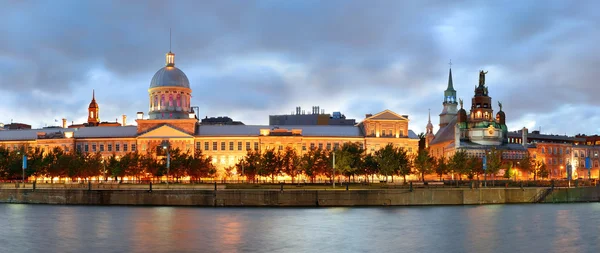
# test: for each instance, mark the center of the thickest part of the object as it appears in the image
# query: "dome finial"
(170, 56)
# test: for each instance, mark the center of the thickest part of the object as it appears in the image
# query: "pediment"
(165, 131)
(387, 115)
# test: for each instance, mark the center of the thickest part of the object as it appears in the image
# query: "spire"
(429, 115)
(93, 94)
(450, 84)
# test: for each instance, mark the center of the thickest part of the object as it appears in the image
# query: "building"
(560, 152)
(475, 132)
(219, 121)
(15, 126)
(171, 119)
(316, 117)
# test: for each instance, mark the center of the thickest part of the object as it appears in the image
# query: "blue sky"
(249, 59)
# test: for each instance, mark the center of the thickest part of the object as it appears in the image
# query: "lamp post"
(166, 147)
(485, 169)
(333, 168)
(24, 166)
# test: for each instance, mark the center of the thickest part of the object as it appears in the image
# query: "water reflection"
(493, 228)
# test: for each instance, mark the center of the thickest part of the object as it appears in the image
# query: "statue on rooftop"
(500, 105)
(482, 77)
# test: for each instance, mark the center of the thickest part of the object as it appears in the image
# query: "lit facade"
(172, 119)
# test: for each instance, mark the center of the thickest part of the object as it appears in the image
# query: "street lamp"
(166, 147)
(333, 168)
(24, 166)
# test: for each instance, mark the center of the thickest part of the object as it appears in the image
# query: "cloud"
(249, 59)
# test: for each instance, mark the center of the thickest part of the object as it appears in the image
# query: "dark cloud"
(253, 58)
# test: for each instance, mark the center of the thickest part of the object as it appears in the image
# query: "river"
(487, 228)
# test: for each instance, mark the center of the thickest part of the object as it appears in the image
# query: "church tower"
(450, 103)
(93, 110)
(429, 132)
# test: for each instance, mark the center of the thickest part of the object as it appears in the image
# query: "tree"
(349, 159)
(370, 166)
(290, 162)
(392, 160)
(475, 165)
(249, 166)
(309, 163)
(270, 164)
(421, 141)
(458, 162)
(441, 167)
(543, 170)
(528, 165)
(494, 163)
(423, 163)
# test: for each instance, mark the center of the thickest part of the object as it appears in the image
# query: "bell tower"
(450, 103)
(93, 110)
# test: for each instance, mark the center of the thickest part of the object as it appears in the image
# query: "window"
(255, 145)
(109, 146)
(575, 153)
(304, 146)
(198, 145)
(117, 147)
(247, 145)
(312, 146)
(101, 147)
(568, 150)
(560, 151)
(581, 154)
(409, 150)
(214, 145)
(543, 150)
(206, 145)
(93, 147)
(328, 146)
(401, 132)
(239, 145)
(86, 148)
(320, 145)
(336, 146)
(222, 145)
(231, 145)
(372, 132)
(125, 147)
(132, 147)
(280, 147)
(78, 147)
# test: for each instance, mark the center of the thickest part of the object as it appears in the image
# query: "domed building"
(169, 92)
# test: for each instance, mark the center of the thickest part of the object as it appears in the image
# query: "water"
(491, 228)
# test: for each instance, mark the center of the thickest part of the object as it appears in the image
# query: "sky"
(251, 59)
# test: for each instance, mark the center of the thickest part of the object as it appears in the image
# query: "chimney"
(64, 121)
(140, 115)
(524, 137)
(124, 120)
(368, 115)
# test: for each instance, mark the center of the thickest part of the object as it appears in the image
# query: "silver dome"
(171, 77)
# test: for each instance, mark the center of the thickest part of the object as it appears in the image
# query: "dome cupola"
(169, 92)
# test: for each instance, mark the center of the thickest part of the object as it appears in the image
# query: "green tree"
(458, 162)
(370, 166)
(423, 163)
(494, 163)
(348, 159)
(528, 164)
(250, 165)
(543, 170)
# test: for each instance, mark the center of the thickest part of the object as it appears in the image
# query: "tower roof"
(170, 75)
(93, 104)
(450, 84)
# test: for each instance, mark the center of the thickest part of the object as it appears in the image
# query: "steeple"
(450, 103)
(450, 92)
(429, 125)
(93, 110)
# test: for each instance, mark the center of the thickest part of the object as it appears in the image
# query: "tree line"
(351, 161)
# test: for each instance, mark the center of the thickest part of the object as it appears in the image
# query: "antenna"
(450, 63)
(169, 39)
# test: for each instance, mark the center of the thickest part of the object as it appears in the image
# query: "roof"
(84, 132)
(445, 134)
(254, 130)
(550, 137)
(169, 77)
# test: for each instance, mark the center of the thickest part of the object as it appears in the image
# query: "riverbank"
(300, 198)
